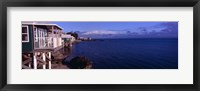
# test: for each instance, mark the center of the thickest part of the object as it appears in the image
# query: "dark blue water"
(129, 53)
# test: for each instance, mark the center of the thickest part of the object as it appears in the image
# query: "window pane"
(24, 29)
(24, 37)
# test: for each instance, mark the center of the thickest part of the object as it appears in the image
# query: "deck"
(41, 58)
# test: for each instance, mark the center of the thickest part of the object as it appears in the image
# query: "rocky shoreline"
(78, 62)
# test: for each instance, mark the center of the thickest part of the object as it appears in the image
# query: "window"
(25, 35)
(36, 34)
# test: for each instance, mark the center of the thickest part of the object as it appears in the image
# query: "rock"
(80, 62)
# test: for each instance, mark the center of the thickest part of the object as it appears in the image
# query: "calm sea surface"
(129, 53)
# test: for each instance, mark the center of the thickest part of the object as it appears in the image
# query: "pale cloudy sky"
(122, 29)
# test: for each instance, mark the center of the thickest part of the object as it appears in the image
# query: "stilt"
(34, 61)
(50, 60)
(44, 59)
(29, 65)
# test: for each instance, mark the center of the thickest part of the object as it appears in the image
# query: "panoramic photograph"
(99, 45)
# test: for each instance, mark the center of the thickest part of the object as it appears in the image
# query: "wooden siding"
(28, 46)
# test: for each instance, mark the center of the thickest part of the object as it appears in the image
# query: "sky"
(122, 29)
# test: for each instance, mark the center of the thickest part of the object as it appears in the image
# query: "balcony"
(48, 43)
(44, 43)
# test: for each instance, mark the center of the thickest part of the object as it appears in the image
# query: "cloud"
(166, 29)
(162, 30)
(100, 32)
(170, 27)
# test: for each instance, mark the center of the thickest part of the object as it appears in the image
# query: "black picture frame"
(100, 3)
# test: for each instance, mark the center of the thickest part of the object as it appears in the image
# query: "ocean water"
(147, 53)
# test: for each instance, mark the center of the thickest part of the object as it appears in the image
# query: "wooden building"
(68, 39)
(38, 42)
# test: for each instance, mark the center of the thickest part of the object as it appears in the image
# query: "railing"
(43, 43)
(52, 35)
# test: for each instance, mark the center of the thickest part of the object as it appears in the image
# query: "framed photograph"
(91, 45)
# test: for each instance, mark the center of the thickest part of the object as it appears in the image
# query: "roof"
(44, 24)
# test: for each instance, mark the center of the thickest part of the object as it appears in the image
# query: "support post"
(34, 61)
(29, 65)
(44, 59)
(53, 35)
(50, 60)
